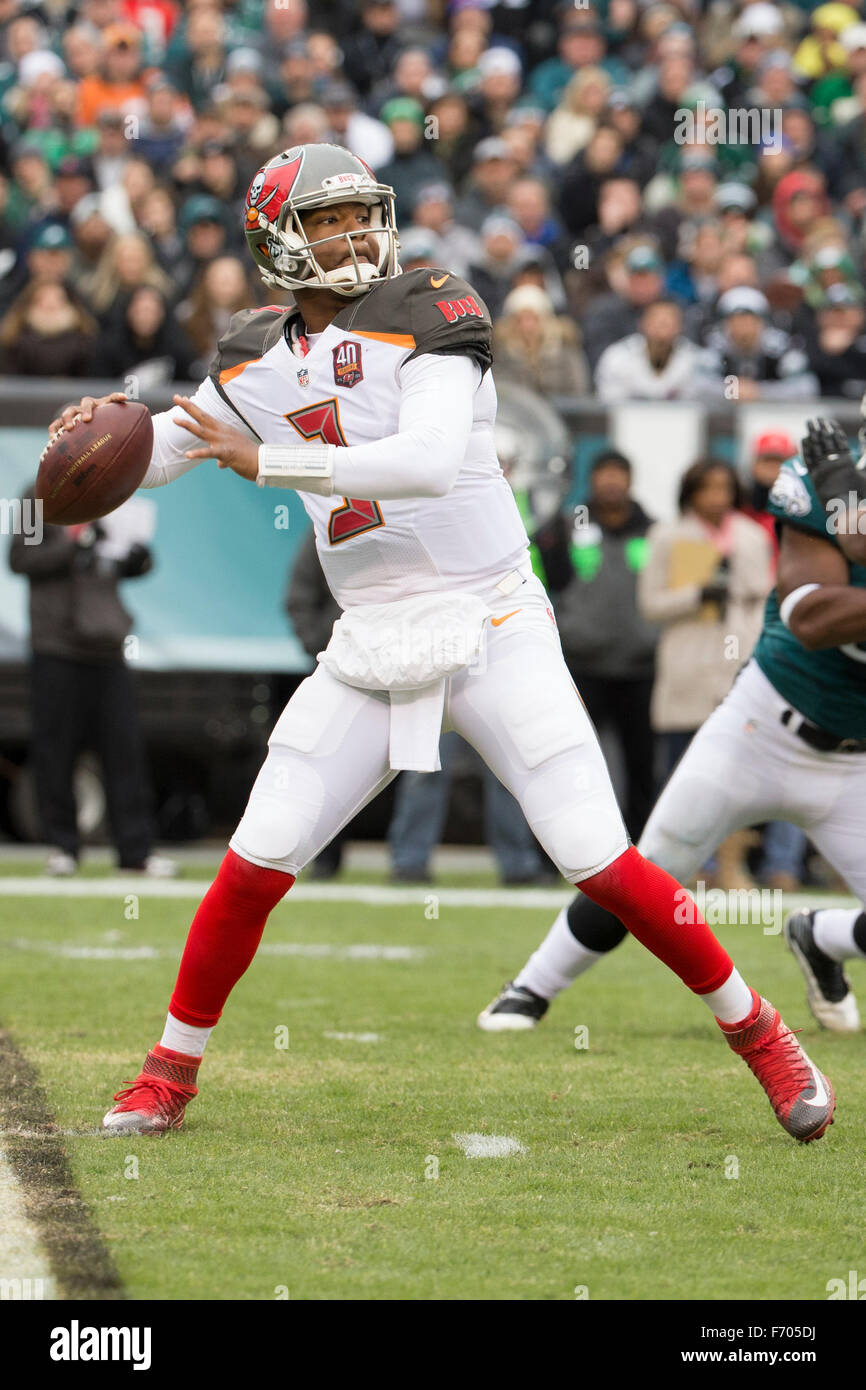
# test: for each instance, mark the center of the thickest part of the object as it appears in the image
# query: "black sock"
(593, 926)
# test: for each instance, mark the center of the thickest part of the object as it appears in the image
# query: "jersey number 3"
(355, 515)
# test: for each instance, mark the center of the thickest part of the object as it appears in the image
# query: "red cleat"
(801, 1096)
(158, 1097)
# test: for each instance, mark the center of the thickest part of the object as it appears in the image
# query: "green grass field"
(329, 1169)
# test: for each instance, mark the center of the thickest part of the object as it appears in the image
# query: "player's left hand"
(827, 455)
(825, 442)
(228, 446)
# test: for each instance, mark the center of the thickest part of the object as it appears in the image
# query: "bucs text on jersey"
(345, 390)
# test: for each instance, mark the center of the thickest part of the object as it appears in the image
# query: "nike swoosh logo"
(820, 1097)
(497, 622)
(437, 284)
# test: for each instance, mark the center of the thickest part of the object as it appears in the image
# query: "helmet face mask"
(300, 180)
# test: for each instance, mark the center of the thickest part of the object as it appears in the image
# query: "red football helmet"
(314, 176)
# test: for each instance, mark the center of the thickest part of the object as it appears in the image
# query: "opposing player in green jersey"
(788, 743)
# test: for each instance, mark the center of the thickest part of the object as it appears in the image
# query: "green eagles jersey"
(827, 687)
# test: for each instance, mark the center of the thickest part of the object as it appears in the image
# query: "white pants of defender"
(744, 766)
(328, 753)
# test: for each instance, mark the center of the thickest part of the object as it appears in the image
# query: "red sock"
(649, 902)
(224, 937)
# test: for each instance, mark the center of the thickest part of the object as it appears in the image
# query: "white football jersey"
(346, 391)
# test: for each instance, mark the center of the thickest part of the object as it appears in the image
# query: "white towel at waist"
(409, 648)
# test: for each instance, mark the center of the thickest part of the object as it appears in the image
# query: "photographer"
(83, 694)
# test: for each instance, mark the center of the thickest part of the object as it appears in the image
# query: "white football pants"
(744, 766)
(328, 753)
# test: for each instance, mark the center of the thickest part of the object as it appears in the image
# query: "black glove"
(716, 591)
(827, 455)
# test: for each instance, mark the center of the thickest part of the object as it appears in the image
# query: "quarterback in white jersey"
(372, 398)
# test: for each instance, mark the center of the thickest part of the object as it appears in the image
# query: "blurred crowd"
(655, 199)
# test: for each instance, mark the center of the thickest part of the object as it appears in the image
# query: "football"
(87, 469)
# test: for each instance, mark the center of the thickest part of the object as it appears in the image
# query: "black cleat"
(828, 992)
(514, 1008)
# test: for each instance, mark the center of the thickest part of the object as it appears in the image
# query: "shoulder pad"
(793, 499)
(438, 311)
(250, 334)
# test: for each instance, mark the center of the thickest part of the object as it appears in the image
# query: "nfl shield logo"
(347, 364)
(303, 377)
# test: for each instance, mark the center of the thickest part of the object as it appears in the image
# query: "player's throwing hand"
(228, 446)
(83, 411)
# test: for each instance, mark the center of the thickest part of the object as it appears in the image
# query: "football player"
(371, 396)
(787, 743)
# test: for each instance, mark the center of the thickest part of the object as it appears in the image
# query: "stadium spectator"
(748, 359)
(413, 76)
(32, 186)
(413, 163)
(538, 347)
(673, 78)
(769, 451)
(118, 86)
(575, 118)
(434, 211)
(83, 694)
(456, 133)
(222, 288)
(581, 45)
(164, 126)
(705, 580)
(202, 225)
(837, 346)
(158, 219)
(128, 261)
(371, 52)
(82, 50)
(200, 65)
(582, 179)
(368, 138)
(145, 343)
(592, 559)
(46, 333)
(493, 272)
(759, 31)
(48, 257)
(529, 204)
(493, 171)
(655, 364)
(91, 234)
(638, 157)
(112, 150)
(291, 78)
(798, 201)
(636, 274)
(305, 124)
(501, 77)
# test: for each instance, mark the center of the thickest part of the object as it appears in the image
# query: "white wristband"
(305, 467)
(788, 604)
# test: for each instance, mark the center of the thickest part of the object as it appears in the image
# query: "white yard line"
(373, 895)
(314, 950)
(24, 1269)
(488, 1145)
